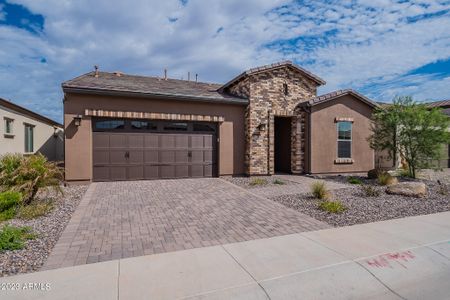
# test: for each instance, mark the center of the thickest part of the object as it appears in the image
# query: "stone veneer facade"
(267, 100)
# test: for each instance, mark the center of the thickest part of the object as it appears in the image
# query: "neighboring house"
(26, 132)
(266, 120)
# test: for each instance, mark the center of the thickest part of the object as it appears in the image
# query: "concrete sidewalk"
(398, 259)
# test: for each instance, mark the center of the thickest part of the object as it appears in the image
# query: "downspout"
(308, 111)
(268, 142)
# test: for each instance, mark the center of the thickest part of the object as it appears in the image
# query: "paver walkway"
(125, 219)
(397, 259)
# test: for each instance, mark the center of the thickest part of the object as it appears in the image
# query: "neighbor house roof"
(337, 94)
(277, 65)
(145, 86)
(441, 103)
(28, 113)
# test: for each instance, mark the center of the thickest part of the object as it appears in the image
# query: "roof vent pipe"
(165, 74)
(189, 76)
(96, 70)
(196, 77)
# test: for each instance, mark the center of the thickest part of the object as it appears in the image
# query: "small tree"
(410, 130)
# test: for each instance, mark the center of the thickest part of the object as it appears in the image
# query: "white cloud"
(369, 42)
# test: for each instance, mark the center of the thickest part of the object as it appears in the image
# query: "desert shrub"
(373, 174)
(386, 179)
(31, 174)
(8, 204)
(34, 210)
(319, 190)
(13, 238)
(9, 163)
(370, 191)
(443, 189)
(278, 181)
(354, 180)
(258, 181)
(335, 207)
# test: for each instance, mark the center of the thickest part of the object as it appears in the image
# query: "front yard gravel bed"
(244, 181)
(363, 209)
(48, 229)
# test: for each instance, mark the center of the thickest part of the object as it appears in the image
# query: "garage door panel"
(181, 171)
(197, 171)
(181, 141)
(101, 157)
(136, 172)
(167, 157)
(118, 141)
(118, 173)
(135, 141)
(151, 172)
(208, 156)
(101, 173)
(208, 171)
(117, 157)
(208, 141)
(167, 141)
(136, 157)
(101, 140)
(181, 156)
(167, 171)
(151, 141)
(196, 156)
(151, 156)
(197, 141)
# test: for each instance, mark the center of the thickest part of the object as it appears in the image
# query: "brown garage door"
(173, 150)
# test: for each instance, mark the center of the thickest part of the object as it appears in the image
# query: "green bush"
(28, 175)
(13, 238)
(386, 179)
(278, 181)
(335, 207)
(319, 190)
(9, 199)
(34, 210)
(8, 204)
(370, 191)
(354, 180)
(258, 181)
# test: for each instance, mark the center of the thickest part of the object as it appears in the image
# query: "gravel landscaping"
(363, 209)
(48, 229)
(258, 181)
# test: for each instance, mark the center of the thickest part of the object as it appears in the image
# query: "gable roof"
(282, 64)
(337, 94)
(146, 86)
(28, 113)
(441, 103)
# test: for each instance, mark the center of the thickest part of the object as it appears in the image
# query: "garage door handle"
(189, 154)
(127, 154)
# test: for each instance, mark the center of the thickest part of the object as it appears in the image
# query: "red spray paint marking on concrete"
(385, 260)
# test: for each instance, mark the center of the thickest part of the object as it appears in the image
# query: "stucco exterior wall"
(78, 149)
(46, 139)
(323, 136)
(267, 100)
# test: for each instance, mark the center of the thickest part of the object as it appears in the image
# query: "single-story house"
(266, 120)
(27, 132)
(445, 106)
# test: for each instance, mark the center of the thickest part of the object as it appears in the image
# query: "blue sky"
(381, 48)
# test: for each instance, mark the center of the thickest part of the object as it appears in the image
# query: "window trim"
(27, 125)
(11, 126)
(342, 140)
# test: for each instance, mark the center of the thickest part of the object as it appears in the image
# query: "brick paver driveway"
(124, 219)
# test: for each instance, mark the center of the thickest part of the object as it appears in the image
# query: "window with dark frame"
(110, 124)
(344, 141)
(8, 126)
(29, 138)
(203, 127)
(176, 126)
(144, 125)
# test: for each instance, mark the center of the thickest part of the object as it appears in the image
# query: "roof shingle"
(149, 86)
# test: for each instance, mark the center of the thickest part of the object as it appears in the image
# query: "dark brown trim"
(28, 113)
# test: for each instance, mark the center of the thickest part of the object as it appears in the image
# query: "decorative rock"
(409, 189)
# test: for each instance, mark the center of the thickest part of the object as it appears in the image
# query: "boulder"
(409, 189)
